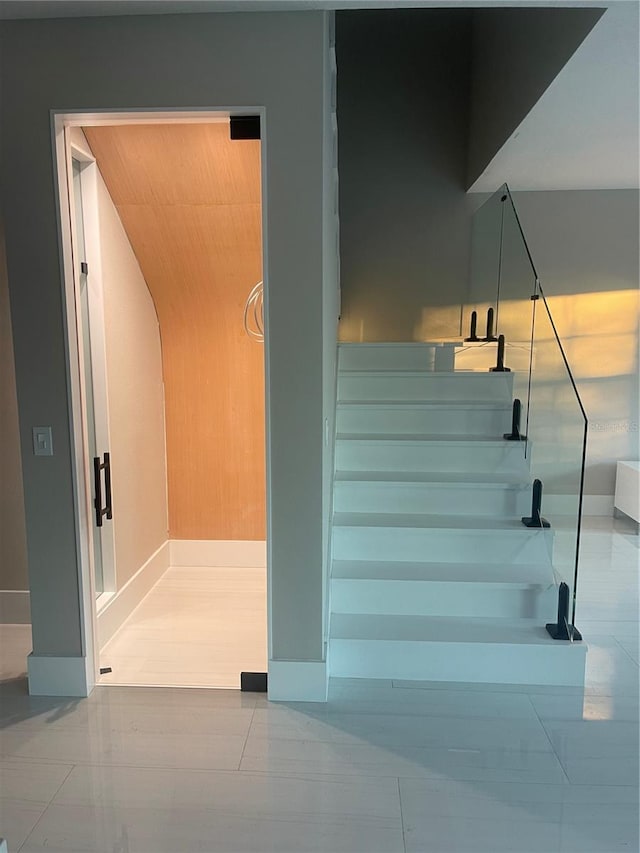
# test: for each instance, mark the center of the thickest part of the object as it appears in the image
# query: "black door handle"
(97, 479)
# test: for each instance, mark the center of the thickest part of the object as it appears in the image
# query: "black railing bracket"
(515, 434)
(500, 368)
(473, 337)
(563, 630)
(490, 337)
(536, 520)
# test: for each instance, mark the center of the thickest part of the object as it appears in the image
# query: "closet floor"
(197, 627)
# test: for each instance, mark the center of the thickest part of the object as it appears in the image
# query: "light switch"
(42, 441)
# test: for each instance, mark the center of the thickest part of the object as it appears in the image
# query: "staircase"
(434, 577)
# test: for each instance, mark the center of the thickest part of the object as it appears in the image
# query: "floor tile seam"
(242, 811)
(482, 796)
(548, 736)
(31, 759)
(308, 819)
(436, 775)
(626, 652)
(246, 739)
(231, 772)
(416, 710)
(445, 715)
(566, 762)
(331, 774)
(402, 824)
(47, 807)
(120, 765)
(408, 746)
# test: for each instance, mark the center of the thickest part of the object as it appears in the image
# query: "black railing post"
(515, 434)
(490, 336)
(473, 337)
(500, 368)
(562, 630)
(536, 520)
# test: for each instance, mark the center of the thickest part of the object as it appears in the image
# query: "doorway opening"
(163, 249)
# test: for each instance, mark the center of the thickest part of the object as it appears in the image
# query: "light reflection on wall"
(600, 336)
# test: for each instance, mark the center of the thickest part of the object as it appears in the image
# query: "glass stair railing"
(549, 419)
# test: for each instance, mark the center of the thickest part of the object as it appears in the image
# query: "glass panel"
(556, 446)
(552, 424)
(515, 308)
(484, 270)
(86, 359)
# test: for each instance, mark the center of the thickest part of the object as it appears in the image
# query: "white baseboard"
(15, 607)
(124, 602)
(52, 676)
(567, 505)
(297, 681)
(212, 552)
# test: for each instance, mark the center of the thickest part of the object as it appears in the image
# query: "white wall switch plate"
(42, 441)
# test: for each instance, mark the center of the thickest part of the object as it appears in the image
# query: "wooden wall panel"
(189, 199)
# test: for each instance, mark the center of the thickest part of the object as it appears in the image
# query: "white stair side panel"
(490, 420)
(459, 498)
(440, 545)
(429, 456)
(398, 356)
(553, 663)
(435, 598)
(396, 385)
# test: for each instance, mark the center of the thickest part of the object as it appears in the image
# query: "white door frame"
(64, 140)
(77, 149)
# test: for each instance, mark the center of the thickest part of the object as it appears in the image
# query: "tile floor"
(383, 766)
(198, 627)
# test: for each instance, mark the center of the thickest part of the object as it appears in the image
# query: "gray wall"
(403, 80)
(517, 53)
(13, 546)
(330, 302)
(274, 60)
(585, 247)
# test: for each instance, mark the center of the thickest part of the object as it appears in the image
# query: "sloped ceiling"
(190, 201)
(516, 54)
(583, 132)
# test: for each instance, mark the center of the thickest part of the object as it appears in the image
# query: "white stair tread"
(403, 371)
(423, 520)
(402, 344)
(457, 478)
(422, 438)
(438, 629)
(507, 574)
(426, 404)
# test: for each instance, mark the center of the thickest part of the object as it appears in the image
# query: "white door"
(90, 328)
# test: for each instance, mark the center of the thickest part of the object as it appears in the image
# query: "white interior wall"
(136, 399)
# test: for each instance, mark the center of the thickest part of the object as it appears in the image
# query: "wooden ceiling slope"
(189, 200)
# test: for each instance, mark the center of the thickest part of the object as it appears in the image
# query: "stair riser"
(483, 386)
(441, 421)
(433, 498)
(514, 663)
(484, 356)
(354, 455)
(429, 598)
(409, 544)
(409, 357)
